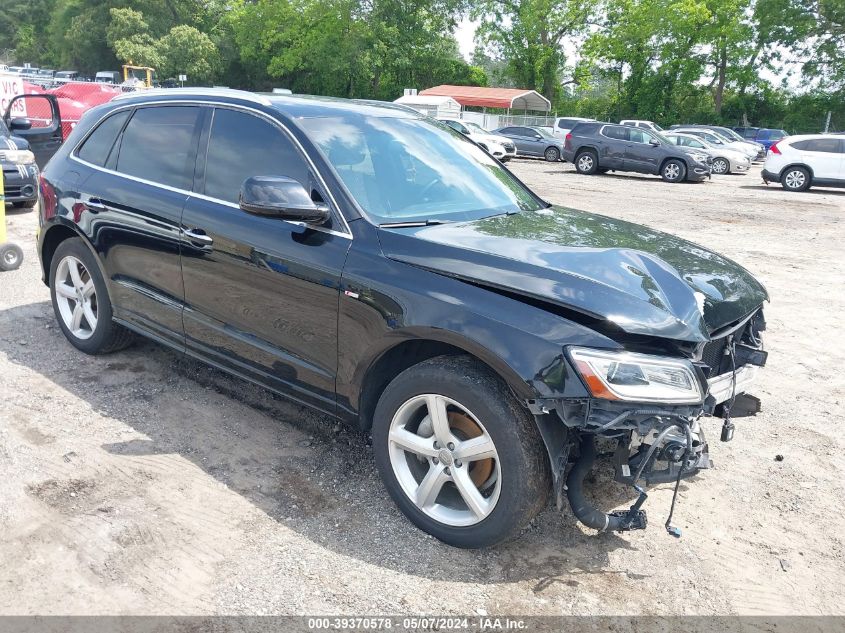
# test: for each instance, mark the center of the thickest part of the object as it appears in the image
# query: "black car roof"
(294, 106)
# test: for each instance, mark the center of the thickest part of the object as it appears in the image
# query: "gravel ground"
(146, 483)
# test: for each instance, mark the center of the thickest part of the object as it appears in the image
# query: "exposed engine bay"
(654, 443)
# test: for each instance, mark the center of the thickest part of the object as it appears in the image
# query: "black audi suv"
(370, 263)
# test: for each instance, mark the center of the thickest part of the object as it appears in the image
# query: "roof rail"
(197, 92)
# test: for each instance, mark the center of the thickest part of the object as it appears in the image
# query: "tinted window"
(510, 130)
(826, 145)
(159, 143)
(566, 123)
(616, 132)
(96, 149)
(526, 131)
(404, 168)
(242, 145)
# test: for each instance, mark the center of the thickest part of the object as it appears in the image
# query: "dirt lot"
(145, 483)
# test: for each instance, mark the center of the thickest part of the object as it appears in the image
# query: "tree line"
(768, 62)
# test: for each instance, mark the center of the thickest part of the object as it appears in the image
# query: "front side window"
(640, 136)
(402, 169)
(98, 145)
(241, 145)
(159, 144)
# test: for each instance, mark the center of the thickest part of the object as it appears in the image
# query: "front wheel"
(458, 454)
(674, 170)
(721, 166)
(552, 154)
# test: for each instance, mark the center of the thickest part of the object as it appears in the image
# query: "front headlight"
(17, 156)
(637, 377)
(701, 158)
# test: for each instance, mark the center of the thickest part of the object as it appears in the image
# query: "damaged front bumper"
(650, 442)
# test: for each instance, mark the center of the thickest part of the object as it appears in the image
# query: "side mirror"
(538, 138)
(281, 197)
(654, 142)
(20, 124)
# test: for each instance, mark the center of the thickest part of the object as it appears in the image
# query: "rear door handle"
(198, 237)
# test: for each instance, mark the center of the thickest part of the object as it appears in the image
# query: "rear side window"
(825, 145)
(616, 132)
(242, 145)
(566, 123)
(98, 146)
(159, 144)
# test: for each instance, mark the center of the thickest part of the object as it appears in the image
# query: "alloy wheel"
(552, 155)
(795, 179)
(444, 460)
(720, 166)
(76, 297)
(672, 171)
(585, 163)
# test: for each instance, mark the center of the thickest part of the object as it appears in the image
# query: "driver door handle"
(198, 237)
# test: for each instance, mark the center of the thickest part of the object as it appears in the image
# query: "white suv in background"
(800, 162)
(564, 124)
(647, 125)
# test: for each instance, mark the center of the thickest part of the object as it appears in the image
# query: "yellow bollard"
(11, 255)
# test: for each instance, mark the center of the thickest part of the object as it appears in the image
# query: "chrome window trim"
(282, 127)
(601, 132)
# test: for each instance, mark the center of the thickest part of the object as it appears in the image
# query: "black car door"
(261, 293)
(132, 192)
(36, 118)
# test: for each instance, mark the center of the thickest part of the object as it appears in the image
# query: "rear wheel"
(458, 454)
(587, 162)
(795, 179)
(673, 170)
(552, 154)
(721, 166)
(81, 301)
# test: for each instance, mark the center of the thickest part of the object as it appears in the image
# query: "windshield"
(475, 127)
(657, 127)
(543, 132)
(731, 134)
(402, 169)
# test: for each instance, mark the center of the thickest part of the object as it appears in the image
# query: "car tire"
(795, 179)
(11, 257)
(81, 301)
(471, 503)
(552, 154)
(673, 170)
(586, 162)
(25, 204)
(721, 166)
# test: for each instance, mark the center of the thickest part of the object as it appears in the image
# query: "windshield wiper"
(402, 225)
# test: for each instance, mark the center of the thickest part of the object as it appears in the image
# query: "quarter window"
(159, 144)
(98, 145)
(242, 145)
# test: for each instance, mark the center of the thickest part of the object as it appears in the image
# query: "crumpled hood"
(644, 281)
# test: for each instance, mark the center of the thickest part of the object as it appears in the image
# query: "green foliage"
(665, 60)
